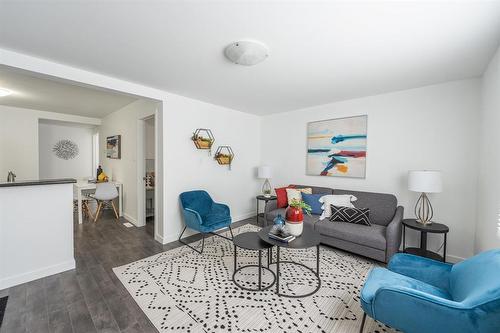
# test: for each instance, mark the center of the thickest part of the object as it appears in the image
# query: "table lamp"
(265, 172)
(424, 181)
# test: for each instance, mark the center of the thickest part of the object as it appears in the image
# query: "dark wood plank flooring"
(89, 298)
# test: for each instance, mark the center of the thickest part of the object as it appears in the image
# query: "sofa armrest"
(192, 219)
(430, 271)
(411, 310)
(393, 234)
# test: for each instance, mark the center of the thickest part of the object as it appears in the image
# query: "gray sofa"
(380, 241)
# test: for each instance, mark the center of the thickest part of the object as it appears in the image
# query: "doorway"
(147, 166)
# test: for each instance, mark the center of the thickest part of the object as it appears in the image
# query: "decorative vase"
(294, 221)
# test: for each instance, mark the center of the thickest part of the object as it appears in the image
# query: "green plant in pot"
(295, 216)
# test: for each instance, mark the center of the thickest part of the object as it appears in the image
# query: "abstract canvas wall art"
(113, 146)
(337, 147)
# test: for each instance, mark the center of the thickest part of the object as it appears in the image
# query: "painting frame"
(114, 147)
(337, 147)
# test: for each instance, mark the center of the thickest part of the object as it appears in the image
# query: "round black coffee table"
(252, 241)
(309, 238)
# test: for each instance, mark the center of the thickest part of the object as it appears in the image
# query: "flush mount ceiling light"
(246, 53)
(4, 92)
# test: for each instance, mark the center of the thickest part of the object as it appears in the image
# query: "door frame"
(141, 170)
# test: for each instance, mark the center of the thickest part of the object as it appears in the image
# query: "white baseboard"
(37, 274)
(453, 259)
(243, 216)
(130, 219)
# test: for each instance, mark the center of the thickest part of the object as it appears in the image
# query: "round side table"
(309, 238)
(433, 228)
(266, 200)
(252, 241)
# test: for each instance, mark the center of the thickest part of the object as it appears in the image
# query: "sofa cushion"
(350, 215)
(313, 201)
(372, 236)
(381, 277)
(382, 206)
(315, 189)
(281, 198)
(337, 200)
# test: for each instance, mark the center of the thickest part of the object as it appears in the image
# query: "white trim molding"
(36, 274)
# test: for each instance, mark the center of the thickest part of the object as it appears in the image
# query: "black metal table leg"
(235, 258)
(444, 249)
(423, 240)
(277, 269)
(258, 212)
(265, 215)
(260, 270)
(404, 238)
(269, 257)
(317, 259)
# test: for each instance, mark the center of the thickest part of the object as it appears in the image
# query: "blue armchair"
(202, 214)
(417, 294)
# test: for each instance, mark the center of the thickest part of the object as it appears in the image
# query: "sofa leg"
(362, 323)
(202, 242)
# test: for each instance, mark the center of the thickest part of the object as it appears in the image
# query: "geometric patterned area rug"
(183, 291)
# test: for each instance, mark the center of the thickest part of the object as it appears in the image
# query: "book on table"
(281, 235)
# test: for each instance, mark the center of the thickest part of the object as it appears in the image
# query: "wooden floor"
(89, 298)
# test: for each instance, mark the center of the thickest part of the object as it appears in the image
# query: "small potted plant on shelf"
(202, 142)
(295, 216)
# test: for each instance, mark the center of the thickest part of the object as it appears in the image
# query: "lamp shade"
(265, 172)
(425, 181)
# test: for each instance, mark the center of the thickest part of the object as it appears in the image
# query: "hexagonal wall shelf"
(203, 139)
(224, 155)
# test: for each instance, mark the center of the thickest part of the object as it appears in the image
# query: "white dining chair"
(104, 194)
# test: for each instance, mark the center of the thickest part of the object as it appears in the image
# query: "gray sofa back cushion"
(316, 189)
(382, 206)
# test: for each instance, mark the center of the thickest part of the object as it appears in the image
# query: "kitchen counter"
(36, 230)
(38, 182)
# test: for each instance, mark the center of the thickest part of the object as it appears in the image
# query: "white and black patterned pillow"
(351, 215)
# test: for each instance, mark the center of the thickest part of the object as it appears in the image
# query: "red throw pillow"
(281, 197)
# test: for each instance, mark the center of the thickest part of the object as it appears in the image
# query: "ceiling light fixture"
(4, 92)
(246, 52)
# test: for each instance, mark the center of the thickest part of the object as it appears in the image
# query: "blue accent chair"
(418, 295)
(202, 214)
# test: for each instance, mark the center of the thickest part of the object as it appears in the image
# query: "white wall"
(188, 168)
(51, 166)
(124, 122)
(434, 127)
(488, 199)
(19, 139)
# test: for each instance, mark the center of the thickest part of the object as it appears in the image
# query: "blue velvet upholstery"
(202, 214)
(416, 294)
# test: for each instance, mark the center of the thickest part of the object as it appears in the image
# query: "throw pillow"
(296, 193)
(313, 201)
(281, 197)
(344, 200)
(351, 215)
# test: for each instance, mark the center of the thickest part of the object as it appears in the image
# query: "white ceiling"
(320, 52)
(48, 94)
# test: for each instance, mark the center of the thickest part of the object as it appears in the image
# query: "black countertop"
(38, 182)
